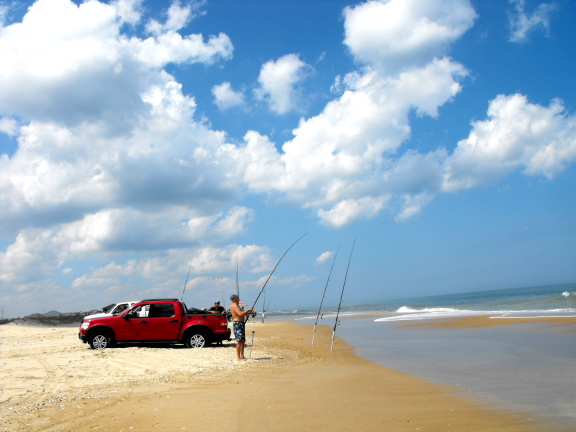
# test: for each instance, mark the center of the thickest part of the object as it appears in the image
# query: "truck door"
(132, 326)
(163, 324)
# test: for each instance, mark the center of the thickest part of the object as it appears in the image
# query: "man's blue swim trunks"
(239, 331)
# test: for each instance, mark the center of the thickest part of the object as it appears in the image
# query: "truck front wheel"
(99, 341)
(196, 340)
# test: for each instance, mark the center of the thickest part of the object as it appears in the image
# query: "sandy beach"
(51, 381)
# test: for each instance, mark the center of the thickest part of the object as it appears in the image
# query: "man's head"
(217, 303)
(234, 297)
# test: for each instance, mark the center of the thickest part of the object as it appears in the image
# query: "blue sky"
(140, 139)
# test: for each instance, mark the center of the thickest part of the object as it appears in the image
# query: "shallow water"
(522, 367)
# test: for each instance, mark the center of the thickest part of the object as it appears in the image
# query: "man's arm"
(237, 313)
(247, 312)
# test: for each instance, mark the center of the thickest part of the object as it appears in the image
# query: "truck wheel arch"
(101, 337)
(197, 336)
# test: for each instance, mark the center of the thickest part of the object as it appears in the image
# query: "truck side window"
(139, 312)
(161, 310)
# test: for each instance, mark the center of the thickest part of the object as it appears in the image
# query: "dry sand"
(51, 381)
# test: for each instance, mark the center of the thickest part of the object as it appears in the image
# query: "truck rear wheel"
(196, 340)
(99, 341)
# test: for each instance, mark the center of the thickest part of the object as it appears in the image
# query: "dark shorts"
(239, 331)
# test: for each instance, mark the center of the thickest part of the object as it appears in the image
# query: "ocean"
(551, 300)
(527, 368)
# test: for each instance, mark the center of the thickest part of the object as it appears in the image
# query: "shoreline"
(60, 384)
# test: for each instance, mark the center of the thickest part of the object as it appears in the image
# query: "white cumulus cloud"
(400, 34)
(278, 83)
(517, 135)
(226, 97)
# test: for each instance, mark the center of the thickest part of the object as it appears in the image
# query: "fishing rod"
(252, 344)
(323, 295)
(217, 278)
(185, 283)
(341, 294)
(264, 308)
(272, 272)
(268, 305)
(237, 285)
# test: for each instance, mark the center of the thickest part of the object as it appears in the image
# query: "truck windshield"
(118, 309)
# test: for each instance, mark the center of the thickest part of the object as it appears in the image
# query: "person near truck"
(217, 308)
(239, 325)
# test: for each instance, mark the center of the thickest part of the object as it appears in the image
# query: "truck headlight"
(85, 325)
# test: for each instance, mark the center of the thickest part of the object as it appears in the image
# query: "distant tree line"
(67, 318)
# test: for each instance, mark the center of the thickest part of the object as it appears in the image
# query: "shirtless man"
(239, 327)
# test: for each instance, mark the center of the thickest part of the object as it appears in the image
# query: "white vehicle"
(117, 309)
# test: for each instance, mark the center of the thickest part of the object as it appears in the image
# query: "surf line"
(324, 295)
(341, 294)
(272, 272)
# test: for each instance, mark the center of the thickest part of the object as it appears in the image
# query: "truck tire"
(196, 340)
(99, 341)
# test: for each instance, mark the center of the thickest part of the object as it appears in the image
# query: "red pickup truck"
(156, 320)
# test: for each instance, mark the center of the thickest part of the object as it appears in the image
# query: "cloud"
(110, 159)
(8, 126)
(225, 97)
(72, 64)
(234, 222)
(4, 9)
(200, 261)
(348, 162)
(325, 256)
(178, 17)
(278, 83)
(171, 47)
(400, 34)
(348, 210)
(111, 232)
(341, 163)
(522, 24)
(129, 11)
(517, 134)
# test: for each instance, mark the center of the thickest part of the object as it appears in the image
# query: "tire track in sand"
(129, 365)
(51, 383)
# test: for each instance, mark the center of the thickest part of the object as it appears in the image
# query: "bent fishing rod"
(324, 295)
(341, 294)
(272, 272)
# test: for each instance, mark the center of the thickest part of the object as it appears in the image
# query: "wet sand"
(483, 321)
(53, 382)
